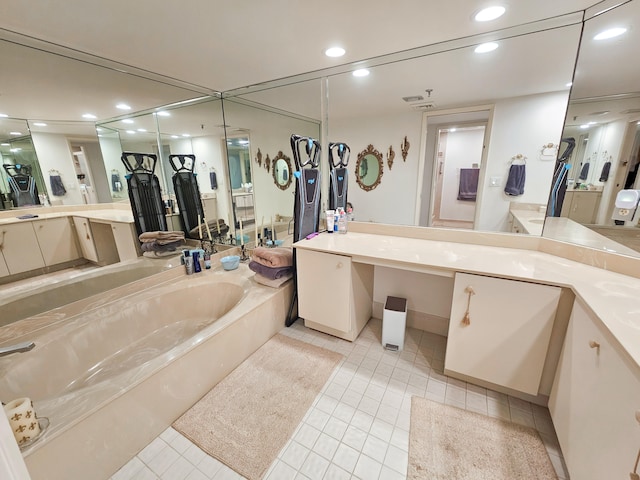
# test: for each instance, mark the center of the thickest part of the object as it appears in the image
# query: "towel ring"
(519, 157)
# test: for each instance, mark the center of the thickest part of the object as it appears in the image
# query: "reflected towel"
(213, 179)
(162, 238)
(57, 187)
(262, 280)
(156, 246)
(273, 257)
(604, 175)
(468, 185)
(584, 172)
(116, 183)
(515, 180)
(270, 272)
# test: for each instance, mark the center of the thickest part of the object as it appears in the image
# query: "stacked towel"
(161, 242)
(273, 266)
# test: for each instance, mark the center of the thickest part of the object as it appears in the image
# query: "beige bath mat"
(450, 443)
(247, 418)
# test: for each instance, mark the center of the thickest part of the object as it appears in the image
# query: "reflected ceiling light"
(17, 149)
(610, 33)
(89, 116)
(175, 136)
(486, 47)
(123, 106)
(5, 144)
(15, 133)
(362, 72)
(452, 130)
(4, 115)
(586, 125)
(163, 113)
(243, 142)
(127, 120)
(489, 13)
(39, 124)
(131, 132)
(334, 52)
(568, 84)
(142, 129)
(186, 135)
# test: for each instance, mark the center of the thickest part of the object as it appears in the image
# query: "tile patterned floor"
(358, 426)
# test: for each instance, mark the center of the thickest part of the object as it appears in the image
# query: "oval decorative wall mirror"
(369, 168)
(281, 171)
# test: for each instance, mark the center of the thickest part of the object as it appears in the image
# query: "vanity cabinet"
(335, 294)
(507, 338)
(85, 238)
(594, 401)
(57, 240)
(20, 247)
(581, 205)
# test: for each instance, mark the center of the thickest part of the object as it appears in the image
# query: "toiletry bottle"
(196, 262)
(336, 218)
(188, 262)
(342, 221)
(207, 260)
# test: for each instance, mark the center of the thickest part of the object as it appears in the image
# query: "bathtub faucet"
(18, 347)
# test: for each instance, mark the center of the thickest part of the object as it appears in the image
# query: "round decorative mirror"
(281, 171)
(369, 168)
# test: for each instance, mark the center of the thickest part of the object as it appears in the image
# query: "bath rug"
(247, 418)
(446, 442)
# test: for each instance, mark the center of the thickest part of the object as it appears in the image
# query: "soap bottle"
(188, 262)
(196, 262)
(342, 221)
(207, 260)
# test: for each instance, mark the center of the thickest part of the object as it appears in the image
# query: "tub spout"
(18, 347)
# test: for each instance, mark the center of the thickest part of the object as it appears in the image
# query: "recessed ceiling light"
(486, 47)
(123, 106)
(610, 33)
(568, 84)
(89, 116)
(15, 133)
(453, 130)
(4, 115)
(142, 129)
(362, 72)
(489, 13)
(131, 132)
(16, 149)
(127, 120)
(39, 124)
(334, 52)
(175, 136)
(163, 113)
(584, 126)
(186, 135)
(5, 144)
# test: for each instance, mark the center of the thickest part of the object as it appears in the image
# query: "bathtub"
(40, 295)
(114, 376)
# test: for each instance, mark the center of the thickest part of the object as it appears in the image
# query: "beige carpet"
(247, 418)
(450, 443)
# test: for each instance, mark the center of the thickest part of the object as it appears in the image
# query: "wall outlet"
(495, 181)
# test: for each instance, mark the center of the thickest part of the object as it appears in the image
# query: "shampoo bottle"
(196, 262)
(342, 221)
(188, 262)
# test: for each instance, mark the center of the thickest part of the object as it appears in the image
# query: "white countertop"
(106, 215)
(613, 297)
(531, 220)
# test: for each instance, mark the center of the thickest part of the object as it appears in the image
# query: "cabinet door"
(508, 336)
(126, 240)
(324, 286)
(20, 247)
(4, 271)
(85, 238)
(594, 400)
(57, 240)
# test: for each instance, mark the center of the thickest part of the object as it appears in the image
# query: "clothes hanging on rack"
(515, 180)
(57, 187)
(213, 180)
(604, 175)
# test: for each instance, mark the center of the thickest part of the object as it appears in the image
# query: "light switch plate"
(495, 181)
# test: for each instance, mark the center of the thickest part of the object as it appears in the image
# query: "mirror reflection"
(282, 171)
(369, 168)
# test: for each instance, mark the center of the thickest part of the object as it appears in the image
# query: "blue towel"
(468, 184)
(515, 180)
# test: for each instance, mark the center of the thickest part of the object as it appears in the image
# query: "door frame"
(466, 115)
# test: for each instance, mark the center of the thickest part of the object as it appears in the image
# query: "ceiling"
(149, 54)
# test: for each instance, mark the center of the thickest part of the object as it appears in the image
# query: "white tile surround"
(358, 426)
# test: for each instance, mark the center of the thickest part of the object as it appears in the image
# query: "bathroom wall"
(208, 152)
(394, 200)
(611, 142)
(520, 125)
(54, 152)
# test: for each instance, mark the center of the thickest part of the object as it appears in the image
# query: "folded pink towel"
(273, 257)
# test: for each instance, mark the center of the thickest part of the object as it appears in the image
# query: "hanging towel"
(584, 172)
(57, 187)
(604, 175)
(468, 185)
(515, 180)
(214, 180)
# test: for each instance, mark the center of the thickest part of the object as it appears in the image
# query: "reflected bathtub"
(44, 296)
(114, 376)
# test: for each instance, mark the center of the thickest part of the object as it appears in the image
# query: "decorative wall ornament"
(390, 156)
(267, 163)
(549, 151)
(282, 172)
(259, 158)
(404, 147)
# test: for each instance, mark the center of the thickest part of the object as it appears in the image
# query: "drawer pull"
(466, 320)
(594, 344)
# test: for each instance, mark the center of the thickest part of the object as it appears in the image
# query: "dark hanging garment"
(57, 187)
(604, 175)
(214, 180)
(584, 173)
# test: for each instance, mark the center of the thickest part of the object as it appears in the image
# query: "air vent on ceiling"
(414, 98)
(424, 106)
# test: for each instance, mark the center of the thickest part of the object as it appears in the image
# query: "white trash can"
(394, 321)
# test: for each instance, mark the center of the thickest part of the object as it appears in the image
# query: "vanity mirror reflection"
(369, 168)
(282, 171)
